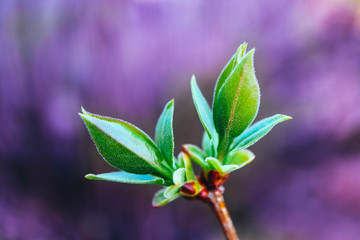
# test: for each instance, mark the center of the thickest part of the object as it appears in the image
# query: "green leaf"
(237, 103)
(229, 168)
(257, 131)
(124, 177)
(202, 108)
(180, 161)
(228, 69)
(214, 164)
(164, 136)
(195, 154)
(190, 175)
(210, 146)
(160, 200)
(124, 146)
(193, 149)
(179, 176)
(240, 53)
(206, 145)
(232, 162)
(239, 158)
(172, 191)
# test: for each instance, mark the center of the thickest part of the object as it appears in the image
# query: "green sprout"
(228, 133)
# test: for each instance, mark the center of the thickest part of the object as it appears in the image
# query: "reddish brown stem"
(216, 201)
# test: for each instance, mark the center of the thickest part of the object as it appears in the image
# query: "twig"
(216, 201)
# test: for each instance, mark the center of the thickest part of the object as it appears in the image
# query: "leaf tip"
(171, 102)
(285, 117)
(158, 205)
(193, 81)
(90, 176)
(83, 110)
(82, 116)
(251, 52)
(241, 51)
(83, 113)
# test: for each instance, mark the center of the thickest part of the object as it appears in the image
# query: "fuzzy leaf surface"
(235, 59)
(124, 146)
(202, 108)
(179, 176)
(240, 158)
(124, 177)
(180, 160)
(172, 191)
(240, 53)
(160, 200)
(238, 100)
(258, 130)
(195, 154)
(210, 146)
(206, 145)
(164, 136)
(215, 164)
(190, 175)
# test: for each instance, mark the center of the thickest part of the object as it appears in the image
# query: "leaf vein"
(227, 131)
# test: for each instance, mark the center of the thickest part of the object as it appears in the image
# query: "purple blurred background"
(127, 59)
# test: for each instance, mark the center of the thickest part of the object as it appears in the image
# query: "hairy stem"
(216, 201)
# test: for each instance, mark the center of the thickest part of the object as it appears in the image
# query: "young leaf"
(164, 136)
(238, 101)
(257, 131)
(239, 158)
(188, 167)
(214, 164)
(210, 146)
(180, 160)
(228, 69)
(171, 191)
(195, 154)
(160, 200)
(124, 146)
(206, 145)
(229, 168)
(179, 176)
(202, 108)
(124, 177)
(193, 149)
(240, 53)
(192, 183)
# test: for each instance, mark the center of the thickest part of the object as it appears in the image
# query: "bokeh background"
(127, 59)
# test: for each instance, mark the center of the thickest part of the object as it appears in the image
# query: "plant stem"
(216, 201)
